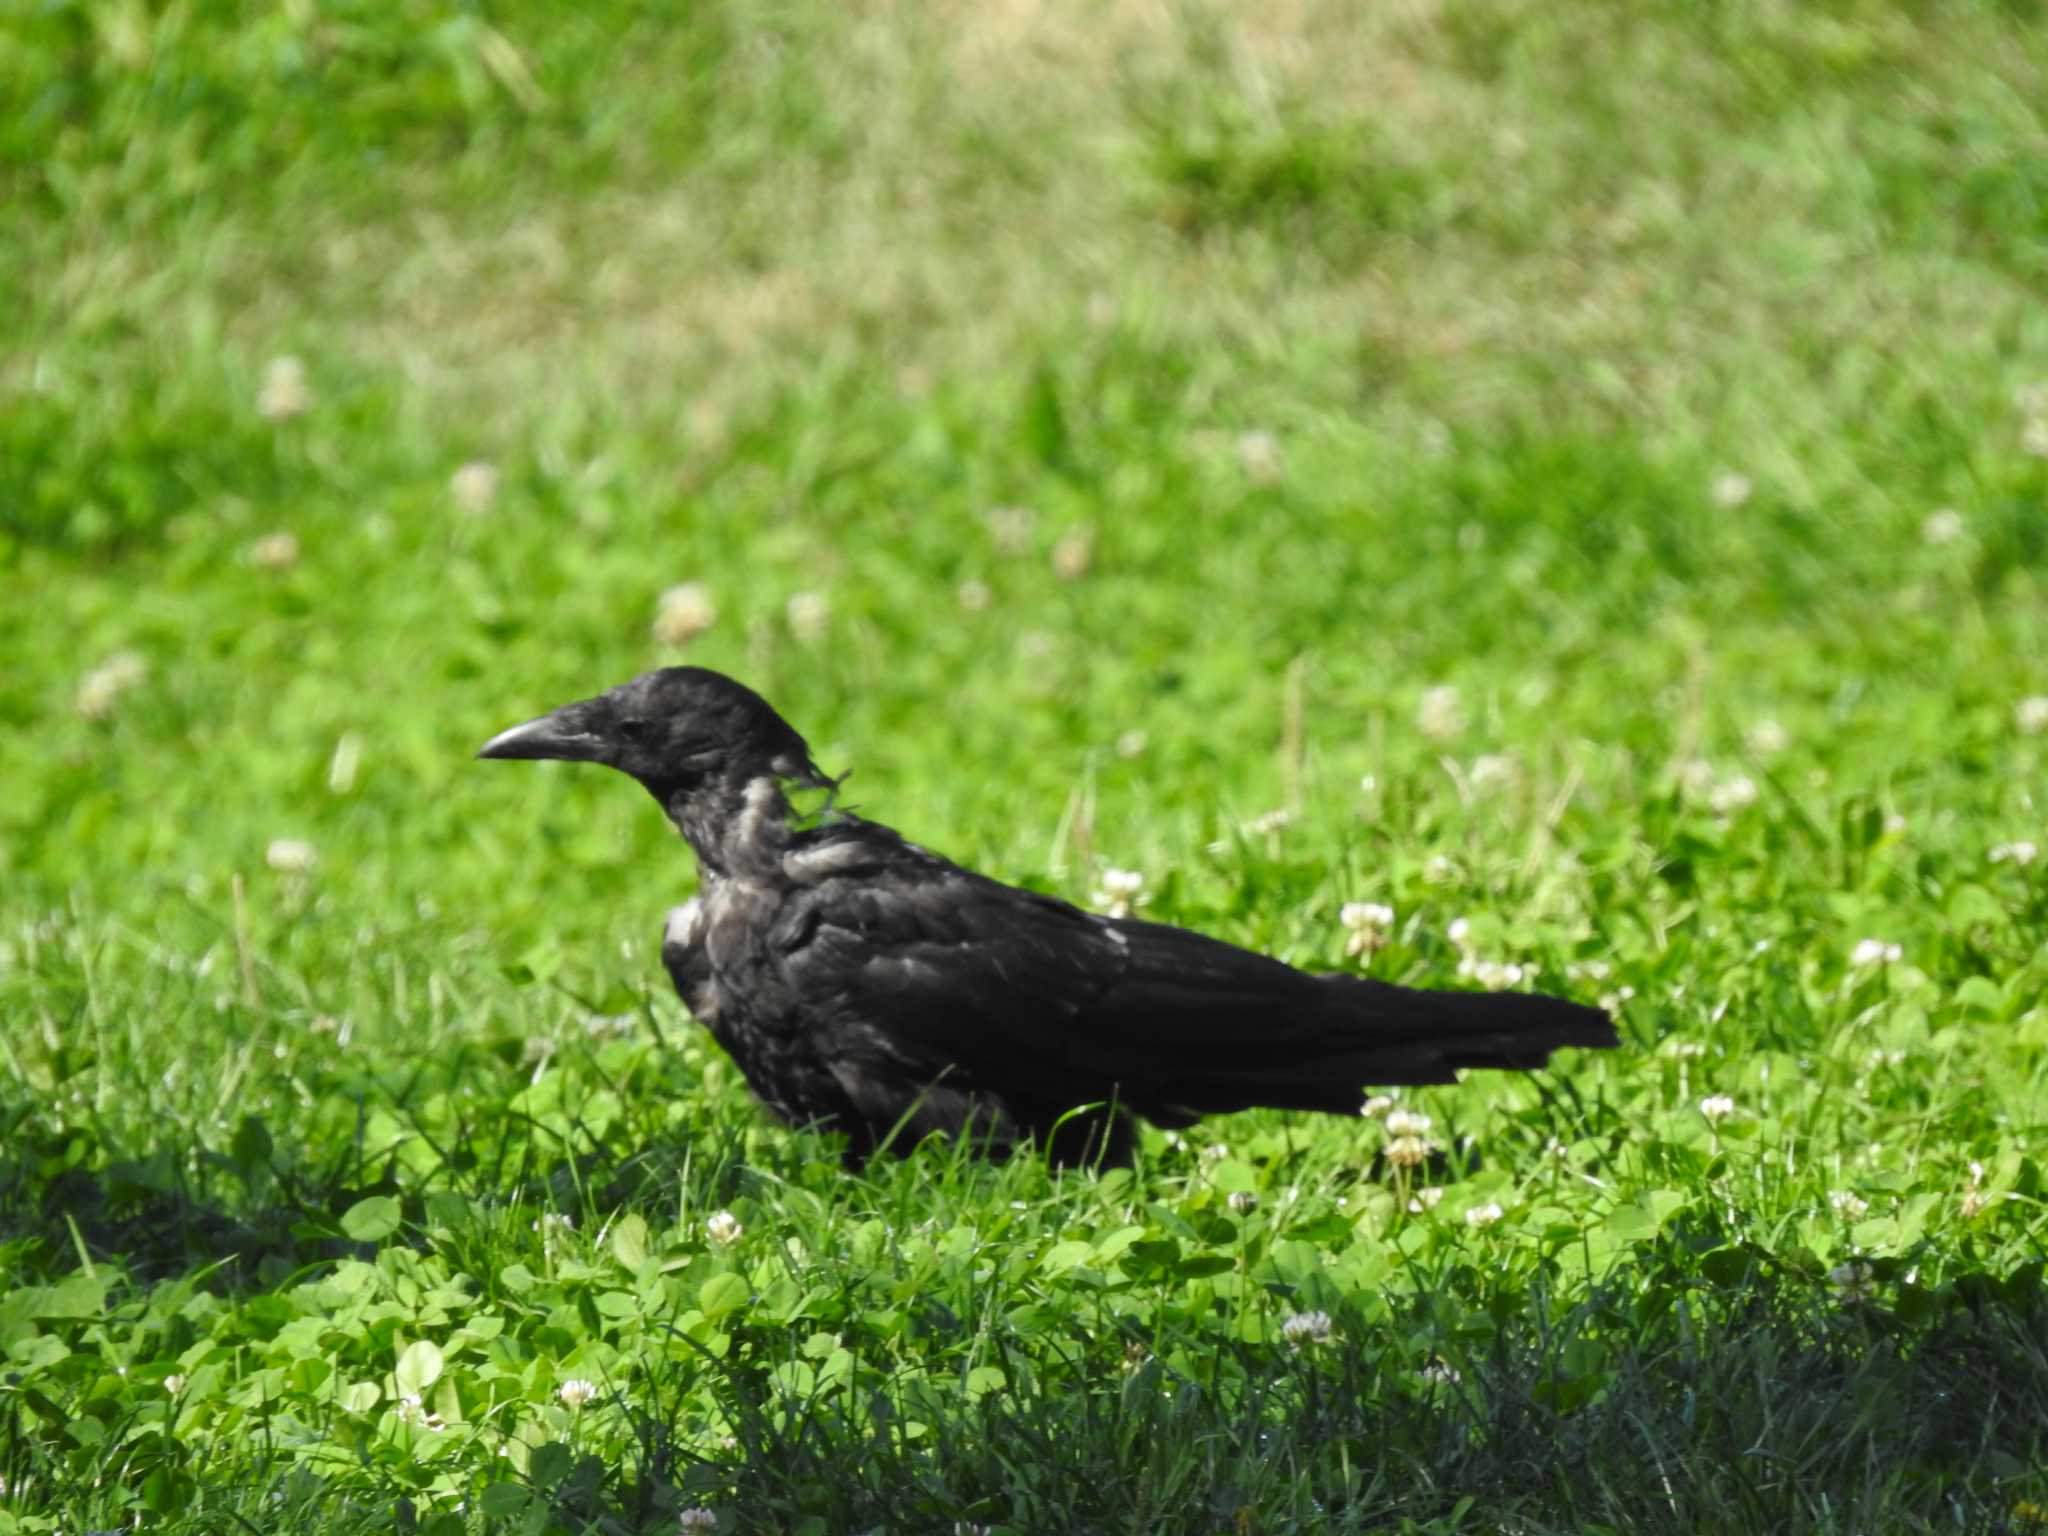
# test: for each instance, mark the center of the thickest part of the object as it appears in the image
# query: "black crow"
(868, 986)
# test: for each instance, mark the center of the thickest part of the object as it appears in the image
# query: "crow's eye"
(633, 730)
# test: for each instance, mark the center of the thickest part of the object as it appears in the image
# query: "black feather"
(866, 985)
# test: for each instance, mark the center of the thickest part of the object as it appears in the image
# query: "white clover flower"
(1717, 1107)
(1306, 1328)
(1369, 784)
(2019, 854)
(291, 855)
(1848, 1203)
(552, 1225)
(724, 1229)
(1131, 744)
(474, 487)
(1731, 490)
(1409, 1151)
(1215, 1152)
(1376, 1106)
(1853, 1282)
(1870, 953)
(1427, 1198)
(1612, 1001)
(576, 1392)
(1438, 1374)
(1974, 1199)
(1724, 796)
(103, 686)
(1588, 970)
(1493, 770)
(1484, 1215)
(174, 1383)
(1732, 794)
(1120, 890)
(1460, 933)
(1494, 975)
(684, 612)
(1407, 1122)
(1441, 713)
(698, 1519)
(1258, 455)
(1074, 553)
(1882, 1058)
(1242, 1201)
(285, 393)
(1439, 869)
(973, 596)
(1767, 738)
(1365, 924)
(809, 615)
(275, 552)
(1943, 526)
(611, 1026)
(1010, 528)
(411, 1409)
(2031, 714)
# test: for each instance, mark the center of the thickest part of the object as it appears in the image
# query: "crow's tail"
(1373, 1034)
(1438, 1032)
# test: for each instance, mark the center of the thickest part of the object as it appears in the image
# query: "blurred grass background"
(1411, 341)
(1096, 425)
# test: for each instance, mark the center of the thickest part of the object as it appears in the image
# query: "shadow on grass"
(1704, 1387)
(1754, 1407)
(159, 1203)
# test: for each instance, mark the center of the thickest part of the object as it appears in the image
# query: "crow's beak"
(549, 736)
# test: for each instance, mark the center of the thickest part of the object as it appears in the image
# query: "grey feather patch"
(824, 860)
(684, 925)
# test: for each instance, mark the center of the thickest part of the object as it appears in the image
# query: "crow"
(868, 986)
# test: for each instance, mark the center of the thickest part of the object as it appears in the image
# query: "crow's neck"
(739, 827)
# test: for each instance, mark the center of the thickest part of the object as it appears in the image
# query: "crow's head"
(679, 731)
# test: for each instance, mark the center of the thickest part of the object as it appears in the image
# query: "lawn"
(1580, 471)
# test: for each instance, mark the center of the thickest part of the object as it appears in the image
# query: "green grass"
(1332, 359)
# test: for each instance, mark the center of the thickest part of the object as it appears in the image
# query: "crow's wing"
(954, 971)
(1008, 991)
